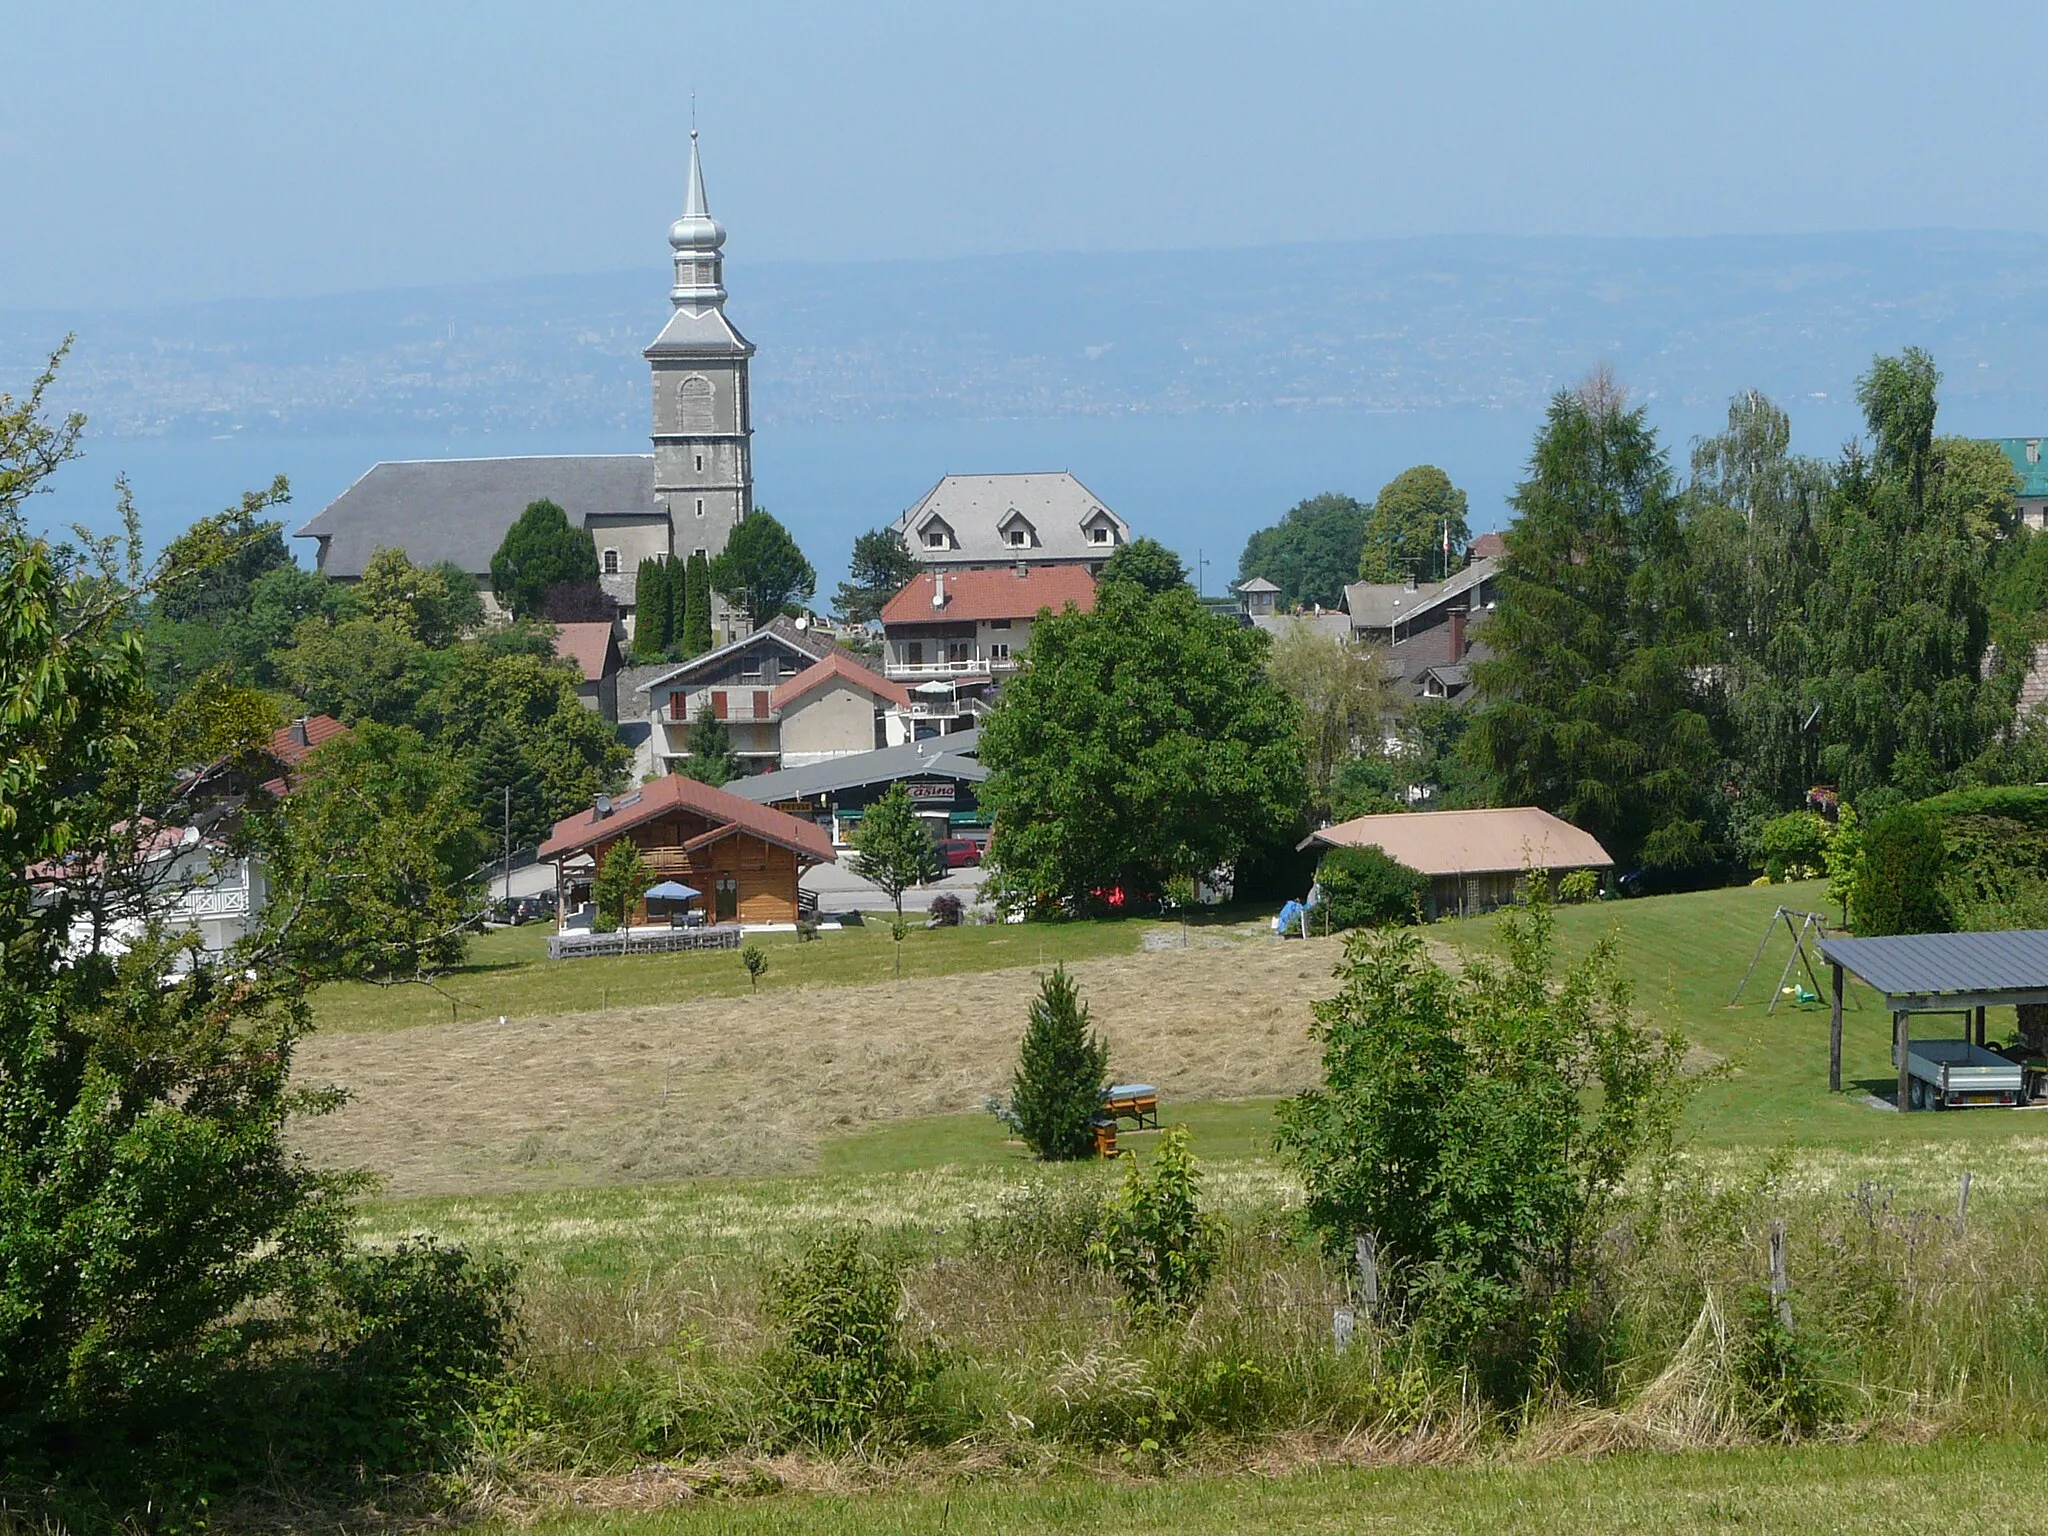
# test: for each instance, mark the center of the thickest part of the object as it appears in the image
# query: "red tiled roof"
(838, 664)
(993, 594)
(1488, 546)
(293, 744)
(588, 645)
(652, 801)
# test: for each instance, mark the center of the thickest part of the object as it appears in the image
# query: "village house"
(744, 859)
(2031, 492)
(593, 649)
(974, 625)
(977, 522)
(1474, 859)
(939, 777)
(1428, 630)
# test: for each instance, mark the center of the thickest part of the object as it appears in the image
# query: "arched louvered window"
(693, 401)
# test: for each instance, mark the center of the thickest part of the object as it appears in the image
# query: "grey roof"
(699, 333)
(1057, 506)
(459, 509)
(808, 643)
(1382, 605)
(1933, 969)
(1257, 584)
(1331, 625)
(949, 757)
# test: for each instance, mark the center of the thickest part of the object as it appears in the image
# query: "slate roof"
(1488, 546)
(1257, 584)
(809, 644)
(976, 507)
(650, 802)
(1934, 965)
(1470, 842)
(1382, 605)
(970, 596)
(459, 509)
(838, 665)
(946, 757)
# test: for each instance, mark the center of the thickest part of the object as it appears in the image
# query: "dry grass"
(750, 1085)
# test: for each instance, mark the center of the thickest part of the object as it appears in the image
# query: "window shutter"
(760, 704)
(718, 704)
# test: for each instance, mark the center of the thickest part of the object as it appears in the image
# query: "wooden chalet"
(744, 858)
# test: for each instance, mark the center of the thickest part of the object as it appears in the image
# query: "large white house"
(977, 522)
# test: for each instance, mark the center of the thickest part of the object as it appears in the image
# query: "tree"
(1147, 562)
(1138, 742)
(622, 879)
(882, 563)
(1479, 1126)
(414, 600)
(693, 621)
(711, 758)
(502, 782)
(372, 856)
(1154, 1239)
(570, 753)
(653, 610)
(1415, 516)
(158, 1232)
(761, 570)
(1345, 695)
(219, 559)
(892, 851)
(1591, 706)
(1367, 888)
(755, 959)
(1062, 1073)
(1311, 552)
(540, 552)
(1897, 884)
(360, 669)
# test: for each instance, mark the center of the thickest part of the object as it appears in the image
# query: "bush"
(1062, 1070)
(1898, 880)
(1783, 1391)
(841, 1364)
(755, 959)
(947, 910)
(1043, 1224)
(1364, 888)
(1795, 843)
(1480, 1125)
(1581, 885)
(1153, 1239)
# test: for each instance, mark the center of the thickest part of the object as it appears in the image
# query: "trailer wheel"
(1916, 1094)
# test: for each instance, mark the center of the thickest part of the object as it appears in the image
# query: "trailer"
(1958, 1074)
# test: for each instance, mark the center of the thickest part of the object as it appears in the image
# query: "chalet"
(745, 859)
(737, 682)
(979, 522)
(1474, 859)
(593, 649)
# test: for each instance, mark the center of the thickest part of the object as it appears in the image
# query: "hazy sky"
(152, 152)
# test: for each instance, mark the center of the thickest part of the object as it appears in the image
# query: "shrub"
(1062, 1070)
(1898, 880)
(1581, 885)
(1783, 1391)
(947, 910)
(1043, 1224)
(1365, 888)
(841, 1364)
(1480, 1125)
(1797, 842)
(755, 959)
(1153, 1239)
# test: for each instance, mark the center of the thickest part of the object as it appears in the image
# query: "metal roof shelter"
(1936, 973)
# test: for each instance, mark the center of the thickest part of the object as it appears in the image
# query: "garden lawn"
(509, 973)
(1872, 1489)
(1685, 955)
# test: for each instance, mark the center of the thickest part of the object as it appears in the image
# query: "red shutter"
(760, 704)
(718, 703)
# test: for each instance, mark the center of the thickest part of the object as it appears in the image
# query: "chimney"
(1409, 582)
(1457, 634)
(299, 734)
(601, 807)
(939, 589)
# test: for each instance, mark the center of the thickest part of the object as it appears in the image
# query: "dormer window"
(1099, 534)
(1019, 538)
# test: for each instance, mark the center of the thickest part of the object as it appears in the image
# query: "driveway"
(838, 888)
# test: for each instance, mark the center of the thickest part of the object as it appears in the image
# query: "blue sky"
(157, 153)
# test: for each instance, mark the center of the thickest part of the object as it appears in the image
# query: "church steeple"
(697, 239)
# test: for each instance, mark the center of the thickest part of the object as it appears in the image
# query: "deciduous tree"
(892, 851)
(1345, 695)
(1311, 552)
(761, 570)
(1415, 516)
(1147, 562)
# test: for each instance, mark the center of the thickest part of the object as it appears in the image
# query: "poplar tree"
(694, 629)
(652, 609)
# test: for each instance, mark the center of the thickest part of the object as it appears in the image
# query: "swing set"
(1814, 923)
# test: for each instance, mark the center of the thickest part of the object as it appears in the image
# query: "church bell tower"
(703, 415)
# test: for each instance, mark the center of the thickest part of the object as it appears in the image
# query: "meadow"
(652, 1166)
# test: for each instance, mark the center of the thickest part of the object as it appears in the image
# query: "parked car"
(959, 852)
(1670, 882)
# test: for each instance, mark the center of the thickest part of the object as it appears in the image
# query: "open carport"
(1958, 973)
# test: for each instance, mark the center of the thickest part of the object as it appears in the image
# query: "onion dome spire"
(697, 239)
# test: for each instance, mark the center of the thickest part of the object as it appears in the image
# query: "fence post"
(1779, 1302)
(1367, 1251)
(1963, 1201)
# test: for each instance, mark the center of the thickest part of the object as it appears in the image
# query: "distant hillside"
(1390, 325)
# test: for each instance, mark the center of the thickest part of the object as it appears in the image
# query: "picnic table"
(1135, 1102)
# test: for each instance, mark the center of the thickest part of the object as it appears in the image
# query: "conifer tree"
(652, 608)
(693, 629)
(498, 764)
(1062, 1070)
(711, 760)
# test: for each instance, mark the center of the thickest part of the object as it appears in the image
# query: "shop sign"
(930, 794)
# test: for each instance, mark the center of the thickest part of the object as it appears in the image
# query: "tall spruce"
(694, 623)
(1592, 710)
(652, 610)
(711, 758)
(1062, 1072)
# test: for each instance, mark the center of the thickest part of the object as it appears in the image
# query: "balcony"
(900, 671)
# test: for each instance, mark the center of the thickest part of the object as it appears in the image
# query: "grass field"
(1883, 1490)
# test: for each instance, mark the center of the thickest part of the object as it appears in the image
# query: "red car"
(959, 852)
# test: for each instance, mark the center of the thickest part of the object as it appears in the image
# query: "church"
(684, 498)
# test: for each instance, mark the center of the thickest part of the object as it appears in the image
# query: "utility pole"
(508, 842)
(1201, 574)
